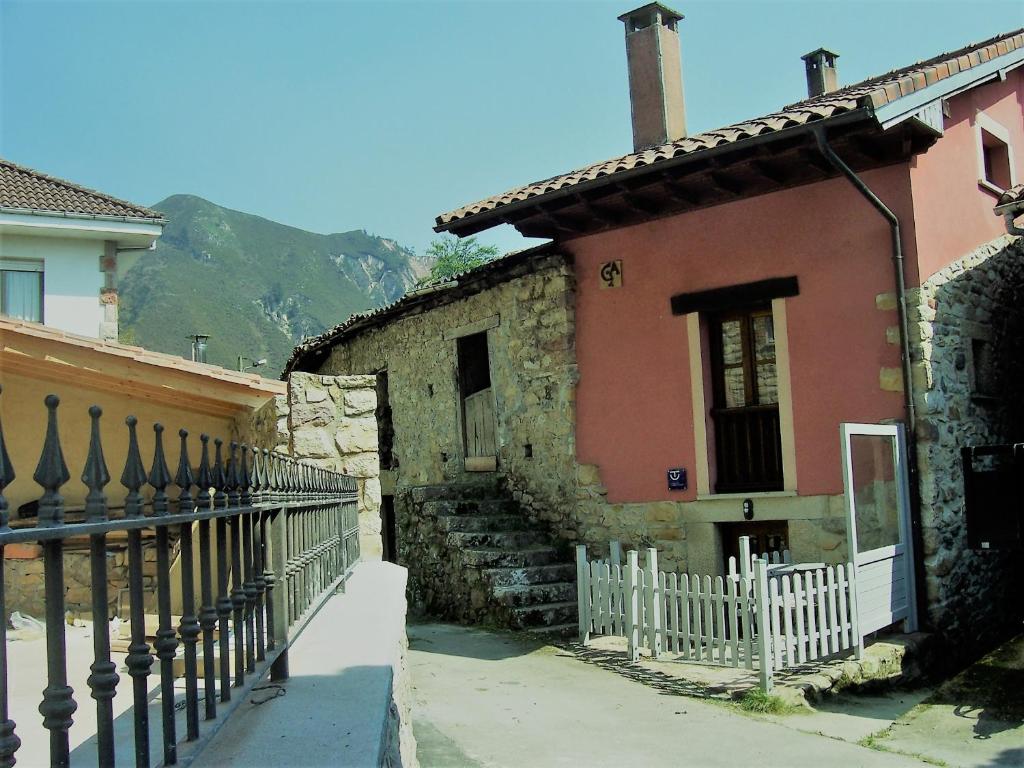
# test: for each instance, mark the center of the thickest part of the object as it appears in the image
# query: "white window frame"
(28, 265)
(983, 122)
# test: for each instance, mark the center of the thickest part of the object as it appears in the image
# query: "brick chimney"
(655, 75)
(822, 74)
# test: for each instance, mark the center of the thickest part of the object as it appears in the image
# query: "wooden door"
(477, 404)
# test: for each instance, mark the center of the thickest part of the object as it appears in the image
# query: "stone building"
(674, 368)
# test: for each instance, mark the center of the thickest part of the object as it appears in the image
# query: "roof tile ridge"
(153, 214)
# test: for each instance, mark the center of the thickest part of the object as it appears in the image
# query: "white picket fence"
(809, 610)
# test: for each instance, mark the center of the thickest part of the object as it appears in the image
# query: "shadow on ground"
(470, 642)
(990, 692)
(617, 662)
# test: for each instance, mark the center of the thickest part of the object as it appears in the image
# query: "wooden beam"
(771, 171)
(563, 222)
(728, 182)
(602, 214)
(639, 203)
(812, 159)
(680, 192)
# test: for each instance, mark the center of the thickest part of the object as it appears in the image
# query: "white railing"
(809, 610)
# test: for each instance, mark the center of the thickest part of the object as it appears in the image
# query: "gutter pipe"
(904, 329)
(1010, 217)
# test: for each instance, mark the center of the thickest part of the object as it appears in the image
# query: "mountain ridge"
(257, 287)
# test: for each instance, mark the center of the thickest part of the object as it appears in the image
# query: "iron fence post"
(277, 532)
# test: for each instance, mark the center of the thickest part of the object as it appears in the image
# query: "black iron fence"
(276, 537)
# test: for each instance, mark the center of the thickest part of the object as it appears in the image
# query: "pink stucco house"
(719, 305)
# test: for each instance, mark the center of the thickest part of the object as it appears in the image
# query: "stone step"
(439, 508)
(544, 614)
(468, 523)
(533, 594)
(487, 557)
(496, 539)
(478, 490)
(537, 574)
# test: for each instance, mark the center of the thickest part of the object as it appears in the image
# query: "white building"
(59, 248)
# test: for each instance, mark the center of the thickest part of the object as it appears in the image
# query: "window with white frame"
(996, 170)
(21, 289)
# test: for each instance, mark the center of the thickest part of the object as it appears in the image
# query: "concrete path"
(332, 710)
(492, 700)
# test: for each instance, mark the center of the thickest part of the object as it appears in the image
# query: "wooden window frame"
(753, 408)
(749, 362)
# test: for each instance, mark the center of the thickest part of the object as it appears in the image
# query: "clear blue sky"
(342, 115)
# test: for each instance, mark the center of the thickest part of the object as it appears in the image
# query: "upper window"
(995, 155)
(21, 290)
(746, 402)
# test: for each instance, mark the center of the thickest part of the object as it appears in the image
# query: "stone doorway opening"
(477, 403)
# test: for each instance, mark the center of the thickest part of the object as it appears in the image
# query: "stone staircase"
(473, 556)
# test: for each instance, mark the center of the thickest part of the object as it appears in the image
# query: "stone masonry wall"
(331, 421)
(979, 299)
(533, 377)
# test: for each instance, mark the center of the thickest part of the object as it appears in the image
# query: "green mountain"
(254, 286)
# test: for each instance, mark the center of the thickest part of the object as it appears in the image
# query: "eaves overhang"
(909, 106)
(479, 222)
(126, 231)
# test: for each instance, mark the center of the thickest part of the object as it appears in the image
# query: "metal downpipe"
(904, 331)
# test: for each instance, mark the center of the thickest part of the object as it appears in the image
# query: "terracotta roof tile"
(871, 94)
(25, 189)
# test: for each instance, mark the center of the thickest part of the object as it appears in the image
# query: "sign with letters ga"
(677, 479)
(611, 274)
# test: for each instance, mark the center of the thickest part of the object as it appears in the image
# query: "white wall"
(71, 278)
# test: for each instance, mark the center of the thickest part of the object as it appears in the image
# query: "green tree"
(452, 255)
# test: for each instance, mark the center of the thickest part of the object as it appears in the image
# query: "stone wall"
(688, 536)
(331, 422)
(533, 377)
(23, 577)
(268, 426)
(979, 299)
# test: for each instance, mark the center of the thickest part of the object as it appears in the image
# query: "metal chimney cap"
(649, 14)
(824, 53)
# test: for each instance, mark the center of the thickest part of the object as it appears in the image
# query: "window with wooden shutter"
(746, 401)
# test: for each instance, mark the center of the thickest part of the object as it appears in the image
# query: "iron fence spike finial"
(51, 472)
(7, 475)
(183, 478)
(159, 474)
(134, 474)
(95, 474)
(271, 470)
(219, 478)
(233, 475)
(245, 496)
(203, 480)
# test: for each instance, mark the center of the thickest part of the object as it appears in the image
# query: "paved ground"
(491, 700)
(974, 719)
